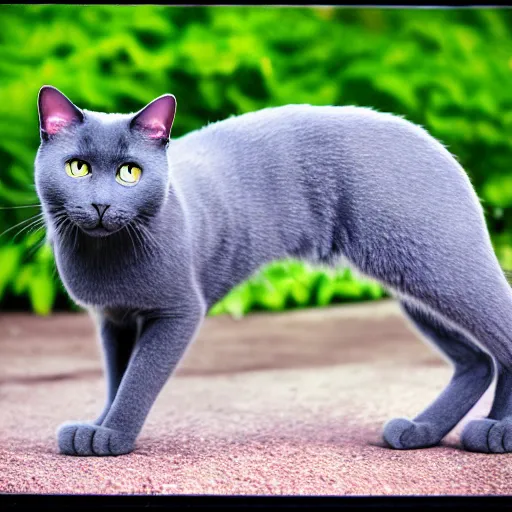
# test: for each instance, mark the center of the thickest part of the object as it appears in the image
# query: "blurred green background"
(448, 70)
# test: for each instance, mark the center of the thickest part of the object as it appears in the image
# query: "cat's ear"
(56, 111)
(155, 120)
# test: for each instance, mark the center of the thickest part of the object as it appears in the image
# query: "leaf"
(325, 291)
(22, 279)
(400, 88)
(498, 191)
(300, 293)
(10, 257)
(42, 292)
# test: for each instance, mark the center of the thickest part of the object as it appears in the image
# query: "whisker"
(57, 210)
(157, 246)
(16, 207)
(40, 219)
(151, 237)
(21, 223)
(140, 237)
(67, 229)
(36, 248)
(41, 223)
(62, 226)
(75, 243)
(59, 214)
(137, 226)
(128, 226)
(58, 224)
(33, 228)
(34, 223)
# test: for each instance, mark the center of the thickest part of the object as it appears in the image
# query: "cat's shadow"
(443, 444)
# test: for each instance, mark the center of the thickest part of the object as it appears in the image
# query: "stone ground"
(289, 403)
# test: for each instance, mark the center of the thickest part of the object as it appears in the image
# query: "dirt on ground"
(290, 403)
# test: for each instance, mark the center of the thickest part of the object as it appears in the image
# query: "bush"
(448, 70)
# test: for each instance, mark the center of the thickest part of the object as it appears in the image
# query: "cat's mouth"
(87, 225)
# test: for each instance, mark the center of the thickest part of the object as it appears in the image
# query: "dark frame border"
(193, 502)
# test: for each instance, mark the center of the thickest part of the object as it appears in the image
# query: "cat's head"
(102, 171)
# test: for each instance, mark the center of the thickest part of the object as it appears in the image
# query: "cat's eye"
(128, 174)
(77, 168)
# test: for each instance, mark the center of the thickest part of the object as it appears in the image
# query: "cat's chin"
(98, 232)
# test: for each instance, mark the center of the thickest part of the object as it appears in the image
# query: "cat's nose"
(100, 208)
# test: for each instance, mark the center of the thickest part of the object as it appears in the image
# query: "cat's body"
(321, 183)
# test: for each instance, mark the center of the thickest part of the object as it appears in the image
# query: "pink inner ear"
(156, 130)
(56, 111)
(156, 118)
(54, 123)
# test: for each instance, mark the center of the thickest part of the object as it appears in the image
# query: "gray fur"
(326, 184)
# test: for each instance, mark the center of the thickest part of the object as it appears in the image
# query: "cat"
(149, 232)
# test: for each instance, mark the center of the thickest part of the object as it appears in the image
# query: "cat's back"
(274, 121)
(300, 127)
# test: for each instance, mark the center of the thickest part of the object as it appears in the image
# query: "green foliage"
(448, 70)
(293, 284)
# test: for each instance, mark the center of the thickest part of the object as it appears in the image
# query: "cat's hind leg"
(476, 298)
(494, 433)
(473, 372)
(487, 317)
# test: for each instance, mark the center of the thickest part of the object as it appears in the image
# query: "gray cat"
(149, 233)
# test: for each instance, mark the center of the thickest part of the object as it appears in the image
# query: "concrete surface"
(287, 403)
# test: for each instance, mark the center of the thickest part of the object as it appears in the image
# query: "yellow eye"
(77, 168)
(128, 174)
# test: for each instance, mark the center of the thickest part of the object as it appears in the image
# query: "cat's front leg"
(163, 340)
(117, 342)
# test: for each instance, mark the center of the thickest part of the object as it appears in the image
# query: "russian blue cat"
(148, 233)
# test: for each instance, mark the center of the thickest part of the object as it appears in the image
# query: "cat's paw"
(404, 434)
(488, 436)
(93, 440)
